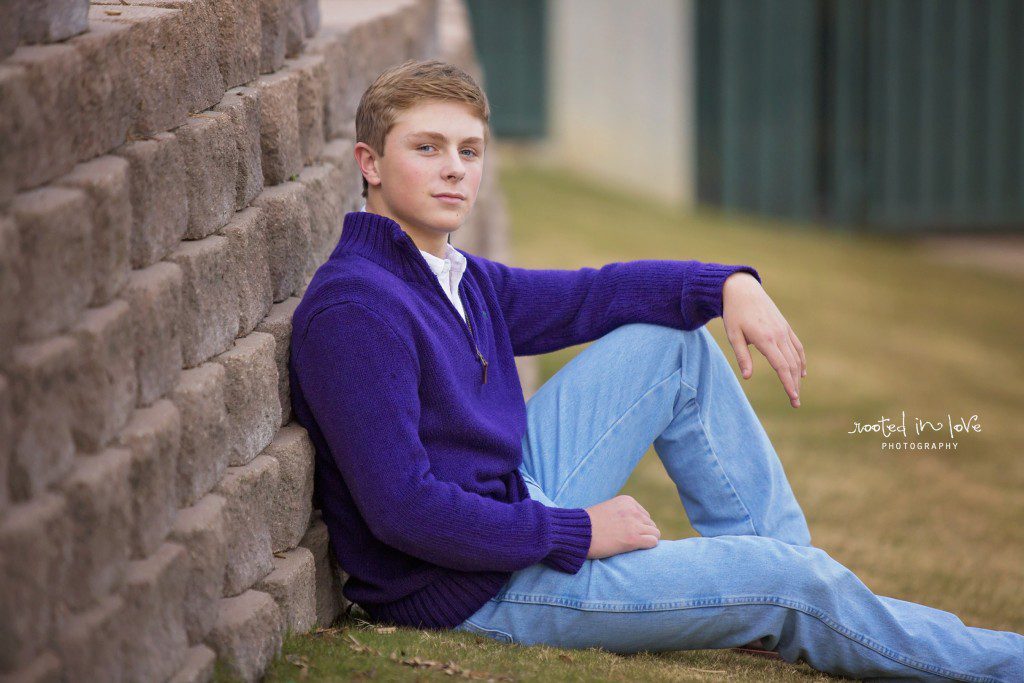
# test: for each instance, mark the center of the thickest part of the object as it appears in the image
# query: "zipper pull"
(483, 362)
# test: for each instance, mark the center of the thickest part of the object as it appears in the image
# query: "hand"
(751, 317)
(618, 526)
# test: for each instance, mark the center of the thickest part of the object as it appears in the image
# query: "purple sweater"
(417, 416)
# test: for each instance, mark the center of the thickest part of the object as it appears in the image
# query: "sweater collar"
(382, 240)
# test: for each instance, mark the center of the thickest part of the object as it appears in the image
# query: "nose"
(454, 167)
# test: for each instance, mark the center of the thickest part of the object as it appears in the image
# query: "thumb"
(739, 347)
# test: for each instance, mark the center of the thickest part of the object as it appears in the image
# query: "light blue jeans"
(752, 573)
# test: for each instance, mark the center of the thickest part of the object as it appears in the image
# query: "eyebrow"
(433, 135)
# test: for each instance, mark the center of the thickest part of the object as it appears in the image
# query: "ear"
(366, 157)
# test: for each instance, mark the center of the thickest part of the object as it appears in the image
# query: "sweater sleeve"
(547, 310)
(360, 380)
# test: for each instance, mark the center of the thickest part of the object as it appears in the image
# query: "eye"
(424, 145)
(471, 151)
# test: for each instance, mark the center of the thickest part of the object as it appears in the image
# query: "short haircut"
(410, 83)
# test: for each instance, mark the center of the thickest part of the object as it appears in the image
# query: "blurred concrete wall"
(621, 93)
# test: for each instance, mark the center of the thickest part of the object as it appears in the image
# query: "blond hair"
(408, 84)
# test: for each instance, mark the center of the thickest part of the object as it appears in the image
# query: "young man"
(451, 504)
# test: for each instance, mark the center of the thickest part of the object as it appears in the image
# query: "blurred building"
(899, 115)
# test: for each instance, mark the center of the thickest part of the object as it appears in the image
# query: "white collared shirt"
(448, 270)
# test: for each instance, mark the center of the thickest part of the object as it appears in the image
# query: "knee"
(795, 572)
(813, 575)
(660, 334)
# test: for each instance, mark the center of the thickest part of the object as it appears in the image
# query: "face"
(434, 148)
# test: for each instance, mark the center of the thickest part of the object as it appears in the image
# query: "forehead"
(452, 120)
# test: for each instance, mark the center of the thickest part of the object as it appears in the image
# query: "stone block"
(159, 196)
(154, 294)
(242, 104)
(248, 634)
(210, 153)
(295, 28)
(199, 665)
(45, 668)
(310, 16)
(200, 529)
(292, 505)
(312, 72)
(6, 428)
(279, 323)
(325, 197)
(39, 91)
(247, 491)
(52, 20)
(35, 547)
(204, 83)
(41, 383)
(55, 236)
(154, 595)
(247, 243)
(105, 181)
(279, 126)
(239, 46)
(209, 295)
(157, 63)
(254, 409)
(340, 152)
(107, 90)
(203, 459)
(288, 236)
(91, 643)
(10, 287)
(274, 34)
(154, 438)
(329, 577)
(292, 584)
(106, 382)
(99, 509)
(343, 49)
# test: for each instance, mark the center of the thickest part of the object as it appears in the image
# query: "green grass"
(885, 330)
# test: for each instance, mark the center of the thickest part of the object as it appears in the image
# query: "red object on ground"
(756, 648)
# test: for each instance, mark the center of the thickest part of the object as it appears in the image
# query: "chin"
(449, 220)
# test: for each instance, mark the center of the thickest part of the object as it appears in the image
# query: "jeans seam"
(750, 600)
(605, 433)
(507, 637)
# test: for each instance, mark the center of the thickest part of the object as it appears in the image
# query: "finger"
(647, 541)
(781, 366)
(739, 347)
(652, 528)
(800, 350)
(794, 361)
(794, 369)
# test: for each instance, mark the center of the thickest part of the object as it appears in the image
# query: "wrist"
(739, 276)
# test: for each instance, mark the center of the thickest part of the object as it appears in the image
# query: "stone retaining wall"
(172, 172)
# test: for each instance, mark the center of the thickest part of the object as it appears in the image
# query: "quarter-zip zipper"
(483, 361)
(466, 325)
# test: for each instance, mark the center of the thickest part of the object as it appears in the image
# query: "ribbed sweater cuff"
(571, 534)
(705, 286)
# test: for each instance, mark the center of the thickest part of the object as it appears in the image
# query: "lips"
(450, 198)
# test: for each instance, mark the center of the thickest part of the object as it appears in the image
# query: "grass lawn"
(886, 330)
